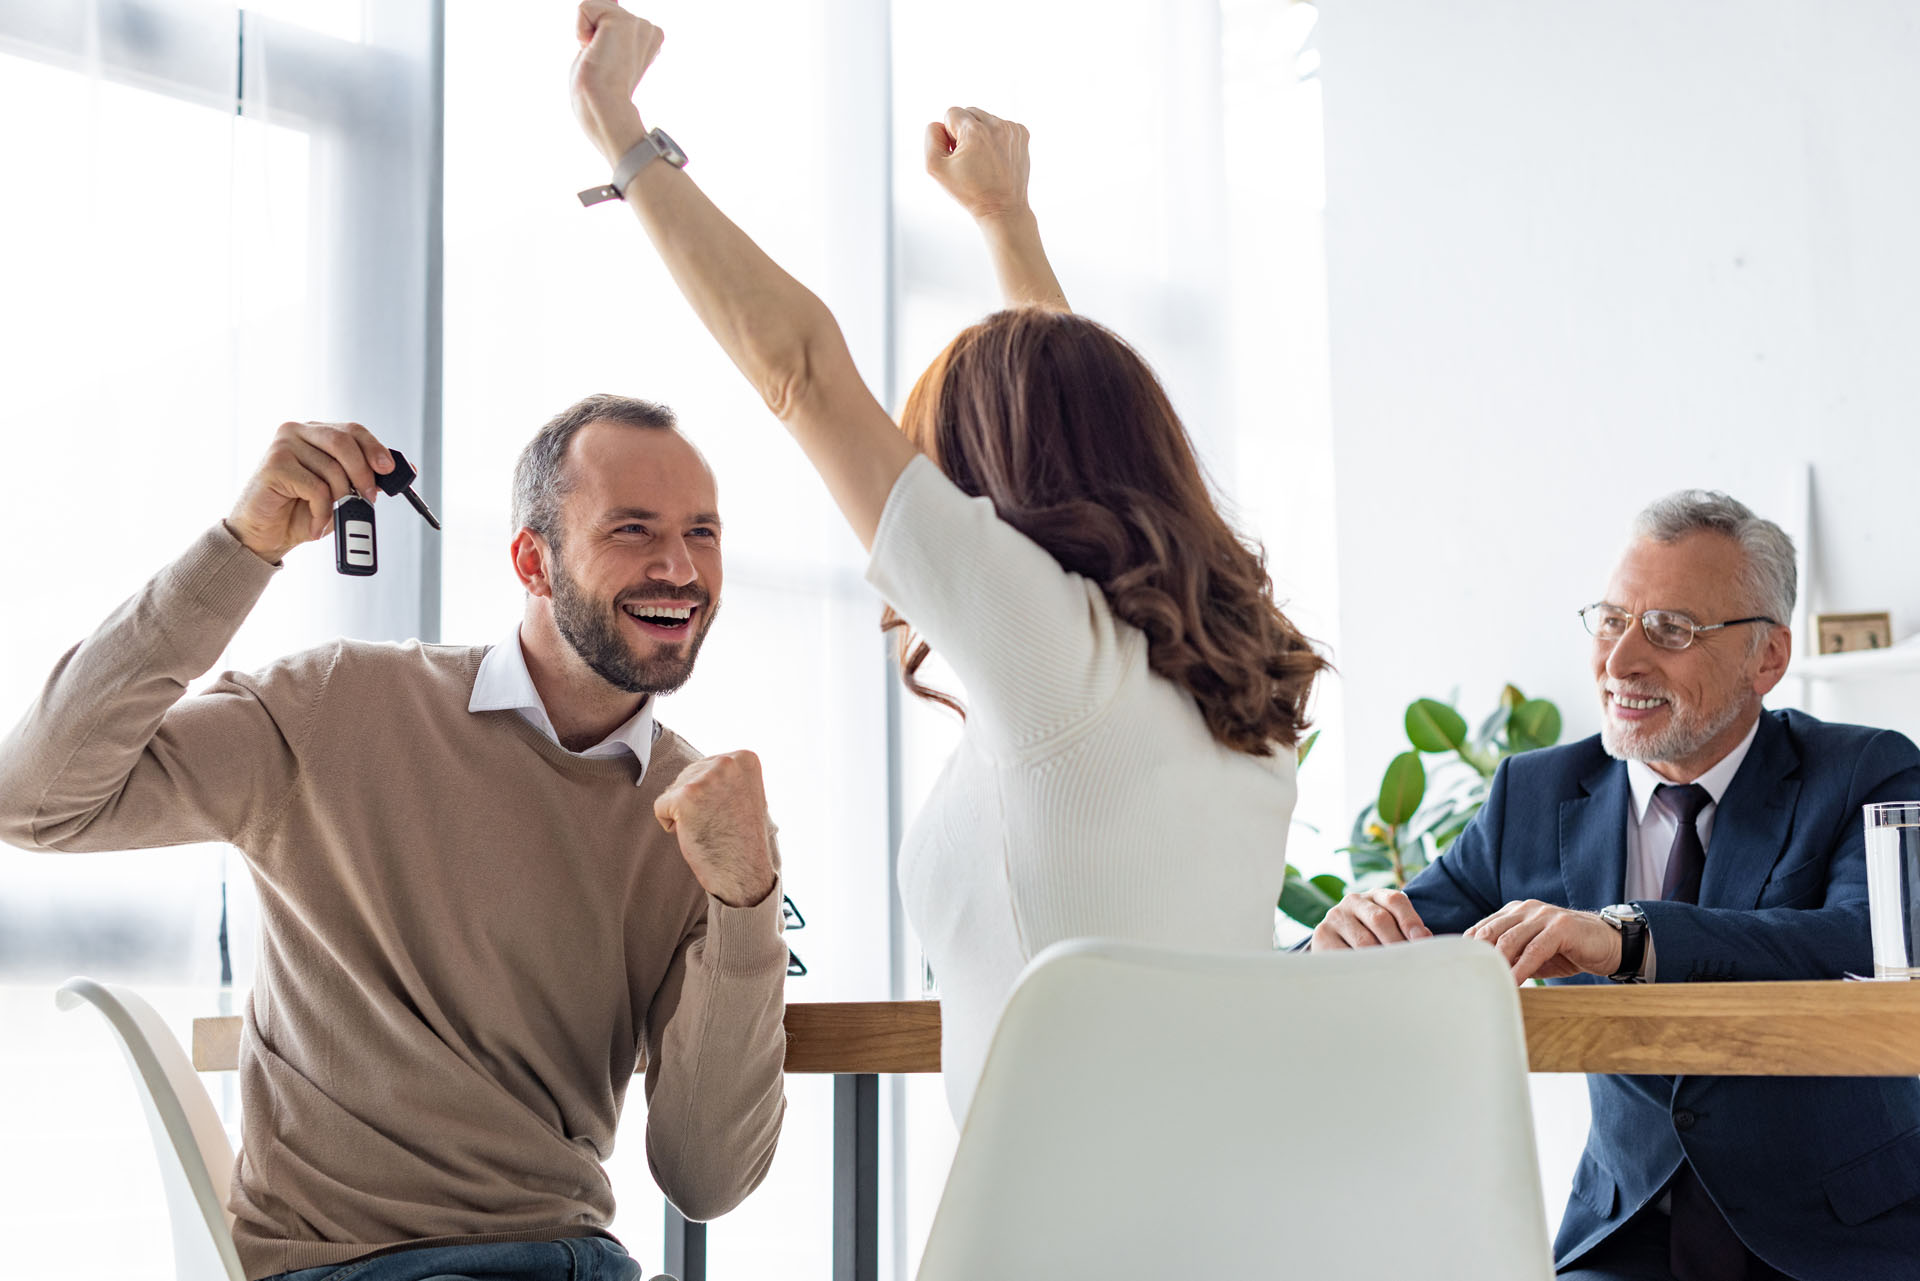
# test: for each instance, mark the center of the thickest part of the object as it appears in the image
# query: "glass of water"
(1893, 887)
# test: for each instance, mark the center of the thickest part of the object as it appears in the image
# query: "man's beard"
(1686, 732)
(598, 634)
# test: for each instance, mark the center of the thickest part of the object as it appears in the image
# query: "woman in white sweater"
(1132, 693)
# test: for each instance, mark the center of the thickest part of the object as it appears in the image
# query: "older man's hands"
(1369, 919)
(1537, 940)
(1541, 941)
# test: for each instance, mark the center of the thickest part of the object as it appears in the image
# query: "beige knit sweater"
(470, 937)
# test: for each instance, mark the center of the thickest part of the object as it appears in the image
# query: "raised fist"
(981, 160)
(718, 809)
(616, 48)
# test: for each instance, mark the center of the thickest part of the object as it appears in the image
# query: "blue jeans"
(569, 1259)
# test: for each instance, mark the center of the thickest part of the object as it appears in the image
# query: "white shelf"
(1861, 664)
(1899, 659)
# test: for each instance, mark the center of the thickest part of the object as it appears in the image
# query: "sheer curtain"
(216, 220)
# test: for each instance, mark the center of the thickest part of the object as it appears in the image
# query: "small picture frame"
(1848, 633)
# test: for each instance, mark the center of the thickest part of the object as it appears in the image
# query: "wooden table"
(1707, 1029)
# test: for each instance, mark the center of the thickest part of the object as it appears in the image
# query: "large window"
(215, 220)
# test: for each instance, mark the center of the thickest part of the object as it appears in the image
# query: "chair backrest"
(196, 1160)
(1146, 1113)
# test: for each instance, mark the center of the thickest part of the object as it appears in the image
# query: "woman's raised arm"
(981, 160)
(771, 326)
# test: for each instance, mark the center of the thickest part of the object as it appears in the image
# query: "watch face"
(669, 149)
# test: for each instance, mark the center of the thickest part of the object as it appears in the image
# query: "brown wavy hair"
(1063, 426)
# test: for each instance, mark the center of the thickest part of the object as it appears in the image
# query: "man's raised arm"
(111, 756)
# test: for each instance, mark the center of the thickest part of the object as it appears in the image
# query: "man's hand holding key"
(308, 468)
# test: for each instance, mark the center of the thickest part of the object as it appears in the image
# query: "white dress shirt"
(1651, 828)
(503, 683)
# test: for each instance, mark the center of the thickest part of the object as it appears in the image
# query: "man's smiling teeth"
(659, 611)
(1638, 704)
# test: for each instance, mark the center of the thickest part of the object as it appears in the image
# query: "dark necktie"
(1687, 860)
(1702, 1246)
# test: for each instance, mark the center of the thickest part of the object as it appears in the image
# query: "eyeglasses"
(1663, 627)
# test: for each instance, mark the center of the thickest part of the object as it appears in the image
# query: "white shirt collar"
(1642, 780)
(503, 683)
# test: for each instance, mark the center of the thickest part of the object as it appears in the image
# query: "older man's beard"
(598, 633)
(1688, 729)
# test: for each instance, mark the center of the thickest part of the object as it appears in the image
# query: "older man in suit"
(1697, 837)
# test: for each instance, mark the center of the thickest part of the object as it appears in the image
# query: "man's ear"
(1775, 654)
(531, 559)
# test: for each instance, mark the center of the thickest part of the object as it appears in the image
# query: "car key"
(400, 481)
(355, 547)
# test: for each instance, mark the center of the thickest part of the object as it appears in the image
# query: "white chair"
(196, 1161)
(1146, 1113)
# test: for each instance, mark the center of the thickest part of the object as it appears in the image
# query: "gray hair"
(540, 479)
(1770, 579)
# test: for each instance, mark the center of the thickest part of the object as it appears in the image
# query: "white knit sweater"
(1086, 799)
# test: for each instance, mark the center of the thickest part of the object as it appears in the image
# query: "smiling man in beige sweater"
(490, 883)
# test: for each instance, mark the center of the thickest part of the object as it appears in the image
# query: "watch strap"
(1633, 945)
(629, 166)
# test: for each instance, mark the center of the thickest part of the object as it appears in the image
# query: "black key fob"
(354, 551)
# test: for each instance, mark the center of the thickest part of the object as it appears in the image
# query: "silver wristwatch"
(656, 143)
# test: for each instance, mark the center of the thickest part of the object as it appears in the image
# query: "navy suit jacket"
(1819, 1175)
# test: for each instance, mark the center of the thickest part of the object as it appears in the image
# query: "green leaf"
(1304, 901)
(1432, 726)
(1535, 723)
(1511, 697)
(1483, 760)
(1400, 791)
(1361, 821)
(1330, 885)
(1445, 836)
(1368, 858)
(1300, 757)
(1414, 859)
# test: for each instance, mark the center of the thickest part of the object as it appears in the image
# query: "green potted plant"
(1417, 816)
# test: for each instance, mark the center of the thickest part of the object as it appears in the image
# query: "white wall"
(1581, 255)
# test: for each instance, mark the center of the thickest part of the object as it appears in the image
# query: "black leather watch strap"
(1632, 924)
